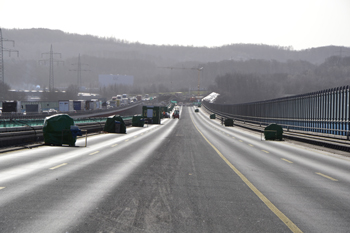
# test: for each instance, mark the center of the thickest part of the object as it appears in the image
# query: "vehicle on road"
(166, 115)
(176, 114)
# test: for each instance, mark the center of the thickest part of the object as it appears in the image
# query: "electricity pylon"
(79, 70)
(2, 50)
(51, 61)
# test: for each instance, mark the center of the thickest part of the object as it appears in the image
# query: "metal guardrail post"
(82, 130)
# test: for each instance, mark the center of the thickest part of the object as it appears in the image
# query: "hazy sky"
(298, 23)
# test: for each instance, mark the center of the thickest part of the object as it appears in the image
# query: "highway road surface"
(186, 175)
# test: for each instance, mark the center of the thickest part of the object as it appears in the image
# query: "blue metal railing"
(325, 111)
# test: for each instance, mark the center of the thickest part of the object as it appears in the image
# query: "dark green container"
(138, 121)
(273, 132)
(228, 122)
(212, 116)
(152, 114)
(115, 124)
(57, 130)
(197, 110)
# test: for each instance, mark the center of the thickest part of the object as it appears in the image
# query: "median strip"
(325, 176)
(63, 164)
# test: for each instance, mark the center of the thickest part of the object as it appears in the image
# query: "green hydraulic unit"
(152, 114)
(273, 132)
(115, 124)
(228, 122)
(58, 130)
(212, 116)
(138, 121)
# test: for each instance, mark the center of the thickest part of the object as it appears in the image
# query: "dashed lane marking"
(2, 188)
(265, 151)
(288, 161)
(114, 145)
(251, 145)
(61, 165)
(93, 153)
(325, 176)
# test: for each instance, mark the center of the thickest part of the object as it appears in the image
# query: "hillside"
(33, 42)
(146, 62)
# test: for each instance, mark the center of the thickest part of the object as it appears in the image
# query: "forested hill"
(33, 42)
(239, 72)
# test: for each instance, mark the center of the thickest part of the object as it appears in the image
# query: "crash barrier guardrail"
(34, 134)
(325, 140)
(322, 112)
(74, 114)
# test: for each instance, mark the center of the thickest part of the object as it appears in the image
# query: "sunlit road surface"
(187, 175)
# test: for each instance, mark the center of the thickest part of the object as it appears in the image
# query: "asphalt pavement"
(185, 175)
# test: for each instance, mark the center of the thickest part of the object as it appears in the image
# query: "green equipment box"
(228, 122)
(115, 124)
(138, 121)
(57, 130)
(273, 132)
(152, 114)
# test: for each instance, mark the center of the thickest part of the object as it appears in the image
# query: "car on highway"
(166, 115)
(176, 114)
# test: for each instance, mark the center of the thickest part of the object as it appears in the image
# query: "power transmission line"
(51, 60)
(199, 69)
(2, 50)
(79, 70)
